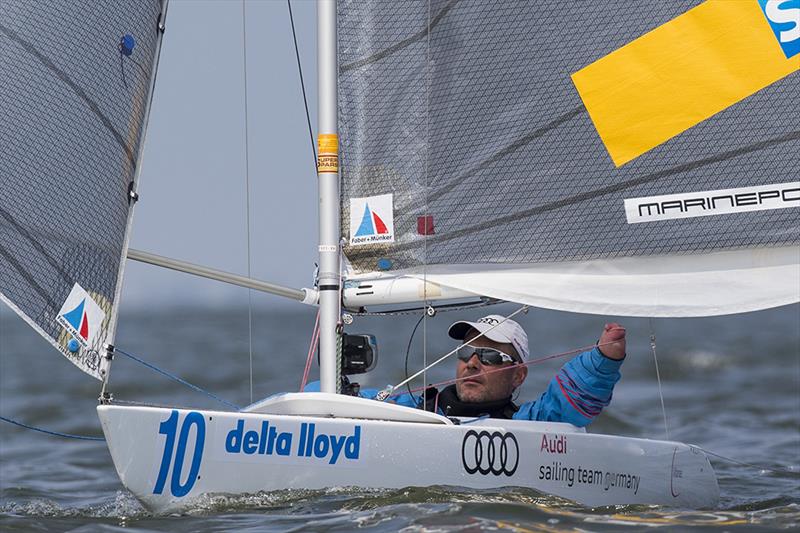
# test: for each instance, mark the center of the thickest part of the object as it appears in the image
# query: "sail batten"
(77, 82)
(481, 123)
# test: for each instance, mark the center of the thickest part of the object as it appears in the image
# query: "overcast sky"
(192, 189)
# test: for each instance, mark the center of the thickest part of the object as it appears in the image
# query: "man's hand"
(612, 341)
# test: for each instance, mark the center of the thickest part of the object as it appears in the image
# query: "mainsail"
(631, 158)
(75, 92)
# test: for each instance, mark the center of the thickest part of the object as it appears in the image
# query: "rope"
(247, 194)
(387, 392)
(502, 369)
(471, 420)
(302, 84)
(49, 432)
(658, 377)
(742, 463)
(179, 380)
(311, 349)
(408, 351)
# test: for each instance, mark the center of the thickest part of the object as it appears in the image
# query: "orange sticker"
(328, 149)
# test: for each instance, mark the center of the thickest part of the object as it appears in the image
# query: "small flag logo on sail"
(81, 316)
(371, 220)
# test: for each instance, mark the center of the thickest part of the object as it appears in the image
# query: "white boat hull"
(167, 457)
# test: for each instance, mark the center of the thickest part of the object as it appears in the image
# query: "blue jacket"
(575, 395)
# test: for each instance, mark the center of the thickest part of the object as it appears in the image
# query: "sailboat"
(609, 158)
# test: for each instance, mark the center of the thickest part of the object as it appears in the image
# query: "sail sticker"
(784, 19)
(81, 316)
(684, 72)
(328, 149)
(707, 203)
(372, 220)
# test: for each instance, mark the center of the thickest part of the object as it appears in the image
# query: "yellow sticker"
(328, 153)
(680, 74)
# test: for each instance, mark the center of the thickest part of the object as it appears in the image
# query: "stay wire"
(751, 465)
(425, 213)
(247, 193)
(658, 377)
(50, 432)
(388, 391)
(177, 379)
(302, 83)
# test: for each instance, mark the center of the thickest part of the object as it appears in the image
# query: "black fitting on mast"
(106, 397)
(133, 196)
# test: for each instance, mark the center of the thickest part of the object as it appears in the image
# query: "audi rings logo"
(490, 453)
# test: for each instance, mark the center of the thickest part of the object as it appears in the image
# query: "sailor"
(575, 395)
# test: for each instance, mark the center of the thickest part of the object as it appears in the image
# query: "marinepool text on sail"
(707, 203)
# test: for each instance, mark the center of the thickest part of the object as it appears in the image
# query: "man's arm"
(584, 385)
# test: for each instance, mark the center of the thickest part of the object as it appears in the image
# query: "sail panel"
(76, 87)
(467, 113)
(728, 282)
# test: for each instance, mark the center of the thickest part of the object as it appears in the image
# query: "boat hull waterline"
(169, 457)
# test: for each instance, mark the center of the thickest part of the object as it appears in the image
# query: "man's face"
(476, 386)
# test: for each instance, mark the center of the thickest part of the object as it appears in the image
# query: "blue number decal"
(169, 427)
(197, 419)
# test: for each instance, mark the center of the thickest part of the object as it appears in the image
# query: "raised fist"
(612, 341)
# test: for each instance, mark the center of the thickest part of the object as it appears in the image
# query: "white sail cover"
(75, 89)
(631, 158)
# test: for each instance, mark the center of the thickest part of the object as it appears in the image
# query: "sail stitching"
(79, 92)
(423, 33)
(593, 194)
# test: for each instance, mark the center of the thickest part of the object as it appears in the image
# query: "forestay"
(632, 158)
(77, 78)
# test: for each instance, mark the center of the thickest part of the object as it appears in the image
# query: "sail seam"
(650, 178)
(423, 33)
(80, 93)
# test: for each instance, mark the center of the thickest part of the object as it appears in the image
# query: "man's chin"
(470, 392)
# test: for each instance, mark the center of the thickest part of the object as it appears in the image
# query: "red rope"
(312, 348)
(501, 369)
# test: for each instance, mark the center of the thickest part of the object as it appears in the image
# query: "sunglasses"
(487, 356)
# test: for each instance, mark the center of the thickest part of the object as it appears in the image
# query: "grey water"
(730, 385)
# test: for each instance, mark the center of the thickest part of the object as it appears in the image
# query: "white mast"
(328, 174)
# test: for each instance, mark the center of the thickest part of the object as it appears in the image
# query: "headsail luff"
(77, 81)
(484, 117)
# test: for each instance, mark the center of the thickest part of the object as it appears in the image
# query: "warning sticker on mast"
(371, 220)
(81, 316)
(707, 203)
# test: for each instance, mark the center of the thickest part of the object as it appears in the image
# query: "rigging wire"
(425, 211)
(50, 432)
(501, 369)
(408, 351)
(177, 379)
(302, 83)
(388, 391)
(312, 348)
(247, 193)
(658, 377)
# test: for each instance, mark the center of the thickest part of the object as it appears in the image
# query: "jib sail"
(77, 79)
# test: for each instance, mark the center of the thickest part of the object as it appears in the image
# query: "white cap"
(508, 331)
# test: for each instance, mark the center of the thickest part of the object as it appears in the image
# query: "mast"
(328, 174)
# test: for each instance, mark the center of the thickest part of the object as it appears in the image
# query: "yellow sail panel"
(680, 74)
